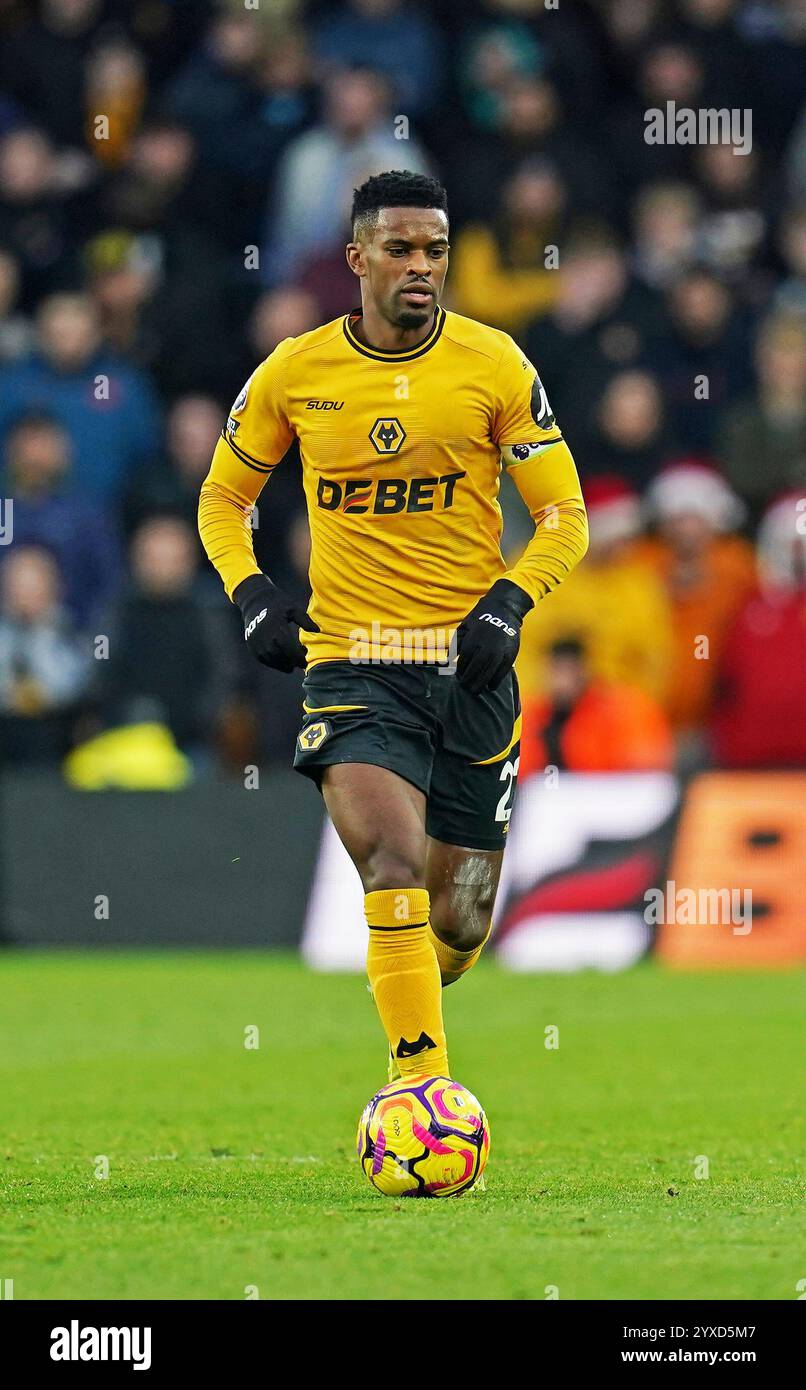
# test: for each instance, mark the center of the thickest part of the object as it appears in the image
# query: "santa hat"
(781, 535)
(691, 486)
(614, 510)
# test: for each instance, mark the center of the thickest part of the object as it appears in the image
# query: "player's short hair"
(396, 189)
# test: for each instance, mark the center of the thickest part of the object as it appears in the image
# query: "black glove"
(271, 621)
(489, 637)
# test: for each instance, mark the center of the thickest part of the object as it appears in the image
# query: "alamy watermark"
(708, 125)
(699, 907)
(380, 645)
(77, 1343)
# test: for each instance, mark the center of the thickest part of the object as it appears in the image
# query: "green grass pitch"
(233, 1169)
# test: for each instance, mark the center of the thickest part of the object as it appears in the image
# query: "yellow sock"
(404, 976)
(453, 964)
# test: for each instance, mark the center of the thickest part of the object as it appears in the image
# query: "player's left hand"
(489, 637)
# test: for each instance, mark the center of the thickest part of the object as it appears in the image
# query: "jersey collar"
(394, 354)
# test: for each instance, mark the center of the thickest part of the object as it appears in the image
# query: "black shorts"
(461, 750)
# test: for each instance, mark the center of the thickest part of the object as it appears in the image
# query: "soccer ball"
(423, 1138)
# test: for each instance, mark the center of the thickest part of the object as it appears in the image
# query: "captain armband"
(512, 454)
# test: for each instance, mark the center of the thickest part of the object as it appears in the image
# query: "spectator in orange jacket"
(707, 572)
(583, 724)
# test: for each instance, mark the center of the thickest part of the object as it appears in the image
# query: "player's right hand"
(271, 623)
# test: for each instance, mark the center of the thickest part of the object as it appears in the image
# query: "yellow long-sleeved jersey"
(401, 455)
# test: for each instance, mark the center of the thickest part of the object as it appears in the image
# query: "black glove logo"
(498, 622)
(254, 623)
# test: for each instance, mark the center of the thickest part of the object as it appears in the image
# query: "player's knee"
(387, 868)
(460, 918)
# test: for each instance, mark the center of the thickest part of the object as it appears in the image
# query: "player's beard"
(404, 316)
(413, 318)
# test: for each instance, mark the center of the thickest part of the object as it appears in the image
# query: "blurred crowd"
(175, 179)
